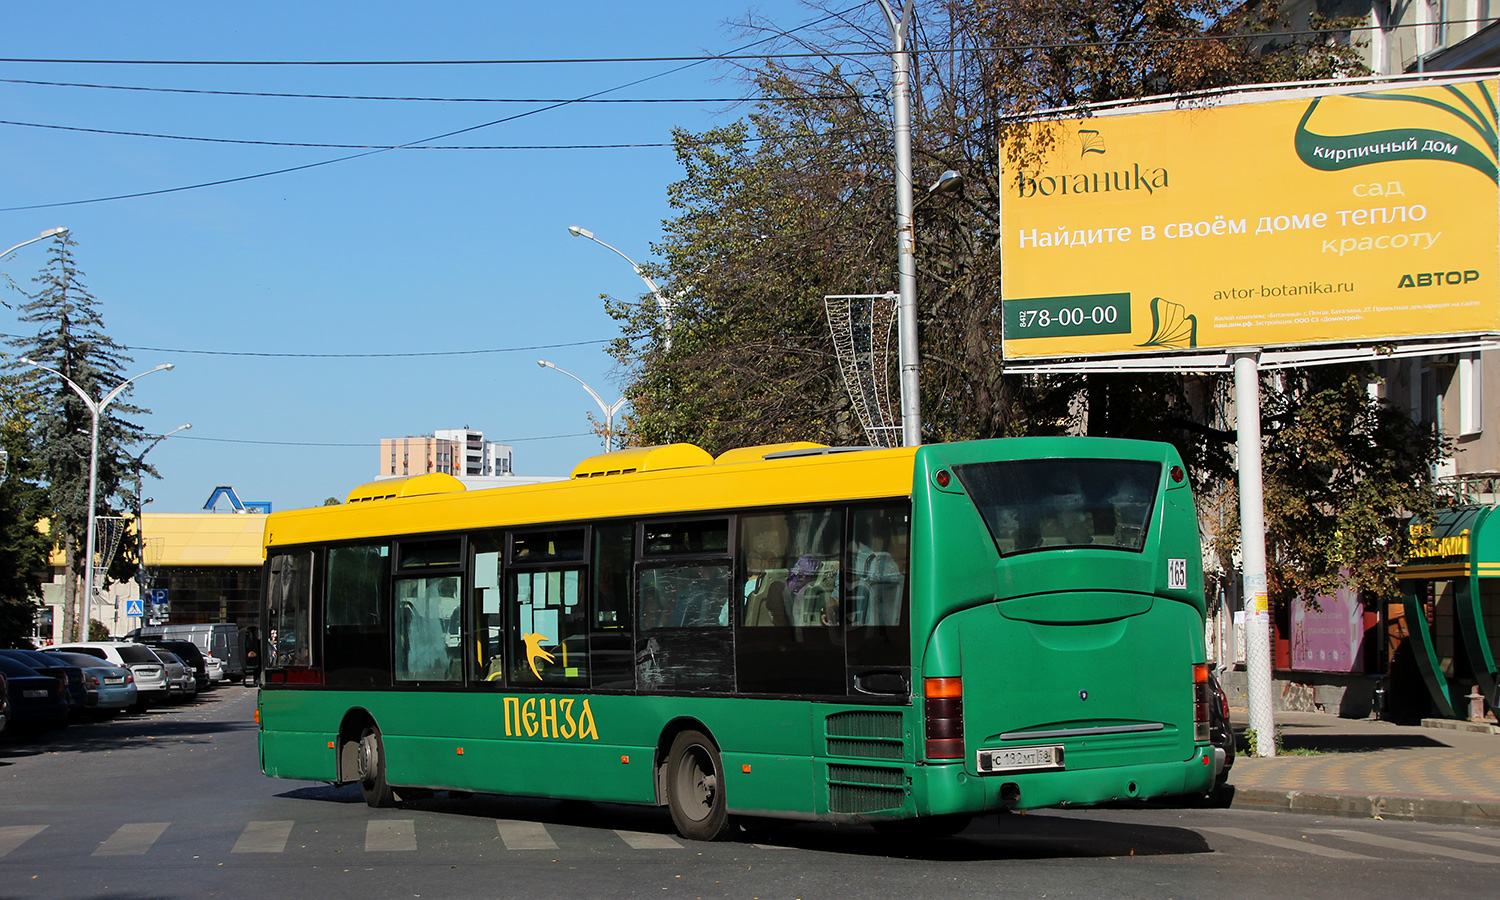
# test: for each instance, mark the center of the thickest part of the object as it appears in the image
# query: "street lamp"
(95, 410)
(663, 303)
(608, 410)
(906, 238)
(41, 237)
(140, 521)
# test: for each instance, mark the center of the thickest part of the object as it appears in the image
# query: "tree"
(23, 547)
(71, 339)
(1343, 473)
(795, 201)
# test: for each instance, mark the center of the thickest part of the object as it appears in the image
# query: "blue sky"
(399, 252)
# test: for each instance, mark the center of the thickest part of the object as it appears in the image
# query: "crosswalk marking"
(391, 834)
(1417, 847)
(133, 839)
(525, 835)
(263, 837)
(13, 836)
(1246, 834)
(1486, 840)
(642, 840)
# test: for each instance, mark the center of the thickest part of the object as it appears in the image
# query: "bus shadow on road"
(1047, 835)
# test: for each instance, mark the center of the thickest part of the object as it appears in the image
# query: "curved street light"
(663, 303)
(140, 521)
(608, 409)
(96, 409)
(41, 237)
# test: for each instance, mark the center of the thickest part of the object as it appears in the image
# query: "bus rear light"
(1202, 697)
(944, 717)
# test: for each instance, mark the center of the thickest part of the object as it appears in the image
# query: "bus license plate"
(1014, 759)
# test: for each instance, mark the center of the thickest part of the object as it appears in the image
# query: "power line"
(282, 171)
(405, 355)
(295, 96)
(738, 54)
(211, 140)
(363, 445)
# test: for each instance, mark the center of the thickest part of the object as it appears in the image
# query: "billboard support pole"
(1253, 550)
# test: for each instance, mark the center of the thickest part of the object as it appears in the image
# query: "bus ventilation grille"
(863, 789)
(866, 735)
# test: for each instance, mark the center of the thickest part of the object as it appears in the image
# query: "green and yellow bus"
(905, 637)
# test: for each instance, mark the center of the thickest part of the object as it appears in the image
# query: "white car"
(215, 668)
(151, 684)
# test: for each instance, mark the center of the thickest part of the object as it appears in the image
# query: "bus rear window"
(1055, 504)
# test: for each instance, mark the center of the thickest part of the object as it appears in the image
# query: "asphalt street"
(172, 805)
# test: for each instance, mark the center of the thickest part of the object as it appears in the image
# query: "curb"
(1443, 810)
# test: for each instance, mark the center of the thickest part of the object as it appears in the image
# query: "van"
(218, 638)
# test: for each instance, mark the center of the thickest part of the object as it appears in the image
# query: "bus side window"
(357, 631)
(550, 642)
(684, 641)
(878, 563)
(488, 612)
(610, 635)
(289, 604)
(426, 629)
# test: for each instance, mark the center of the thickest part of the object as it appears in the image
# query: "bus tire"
(695, 788)
(371, 769)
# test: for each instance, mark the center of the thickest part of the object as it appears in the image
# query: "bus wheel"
(695, 788)
(371, 769)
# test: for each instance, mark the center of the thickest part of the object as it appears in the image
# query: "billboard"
(1279, 219)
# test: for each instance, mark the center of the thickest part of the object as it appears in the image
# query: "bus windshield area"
(1056, 504)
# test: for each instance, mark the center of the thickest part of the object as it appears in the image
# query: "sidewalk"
(1367, 768)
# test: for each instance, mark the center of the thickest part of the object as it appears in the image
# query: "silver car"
(150, 673)
(114, 685)
(215, 668)
(179, 674)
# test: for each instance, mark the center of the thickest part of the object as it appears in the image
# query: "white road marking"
(1246, 834)
(133, 839)
(263, 837)
(391, 834)
(519, 835)
(13, 836)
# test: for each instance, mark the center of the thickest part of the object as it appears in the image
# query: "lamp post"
(608, 409)
(906, 238)
(140, 521)
(663, 303)
(96, 409)
(43, 236)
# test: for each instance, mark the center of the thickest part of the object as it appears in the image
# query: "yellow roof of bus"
(734, 483)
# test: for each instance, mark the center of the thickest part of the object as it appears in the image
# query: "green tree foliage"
(795, 202)
(23, 503)
(1342, 472)
(71, 339)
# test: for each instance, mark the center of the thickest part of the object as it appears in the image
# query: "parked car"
(37, 702)
(185, 650)
(79, 700)
(214, 667)
(114, 685)
(1221, 735)
(150, 674)
(4, 704)
(179, 673)
(219, 638)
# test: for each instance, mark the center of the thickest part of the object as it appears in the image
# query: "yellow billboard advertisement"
(1316, 218)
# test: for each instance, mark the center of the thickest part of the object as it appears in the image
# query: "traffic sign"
(133, 608)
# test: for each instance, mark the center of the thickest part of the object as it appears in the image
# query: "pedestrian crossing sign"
(133, 608)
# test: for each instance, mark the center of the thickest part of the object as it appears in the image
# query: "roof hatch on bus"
(764, 451)
(643, 459)
(410, 486)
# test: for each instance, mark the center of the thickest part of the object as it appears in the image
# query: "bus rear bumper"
(941, 790)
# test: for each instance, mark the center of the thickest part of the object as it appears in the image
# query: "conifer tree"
(71, 339)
